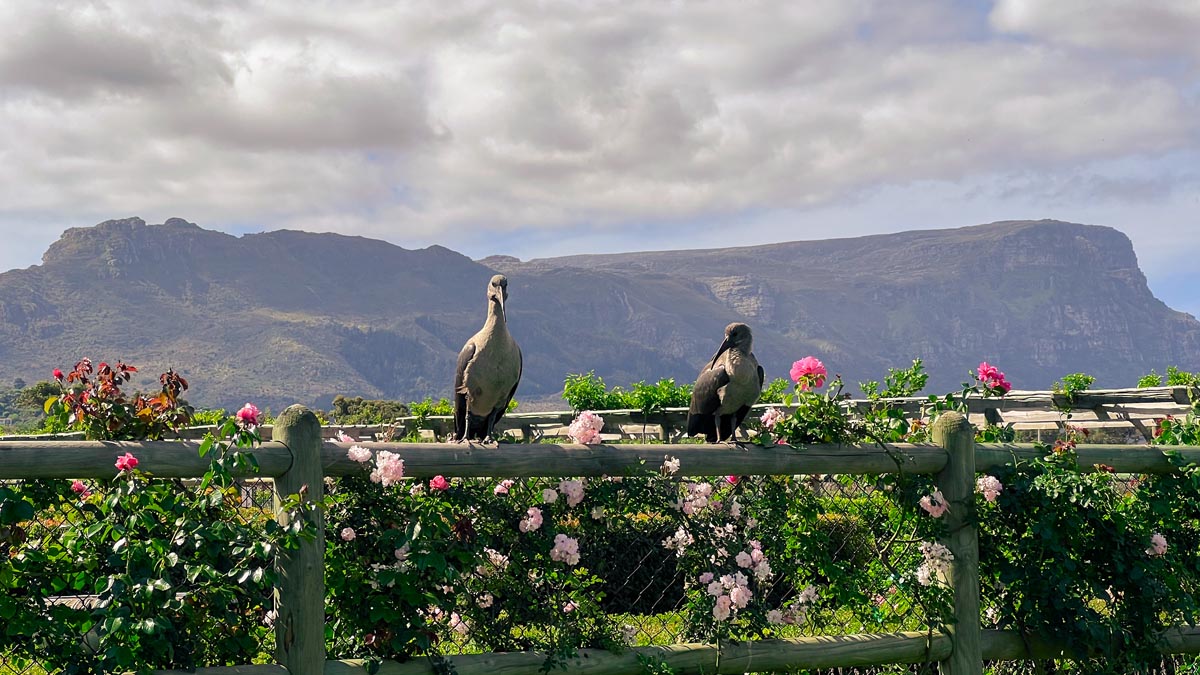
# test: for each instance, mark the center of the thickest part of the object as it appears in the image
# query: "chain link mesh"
(252, 502)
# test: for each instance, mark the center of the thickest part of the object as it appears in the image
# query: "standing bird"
(726, 388)
(489, 368)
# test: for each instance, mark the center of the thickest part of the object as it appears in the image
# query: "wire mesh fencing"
(76, 562)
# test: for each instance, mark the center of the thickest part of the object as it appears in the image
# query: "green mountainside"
(287, 316)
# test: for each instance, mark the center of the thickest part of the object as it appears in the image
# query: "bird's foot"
(490, 440)
(741, 445)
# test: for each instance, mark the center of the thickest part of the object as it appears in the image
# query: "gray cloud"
(422, 121)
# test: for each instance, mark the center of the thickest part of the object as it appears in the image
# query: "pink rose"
(58, 374)
(439, 483)
(992, 378)
(80, 489)
(808, 372)
(248, 416)
(126, 462)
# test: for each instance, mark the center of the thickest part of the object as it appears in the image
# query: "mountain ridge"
(291, 316)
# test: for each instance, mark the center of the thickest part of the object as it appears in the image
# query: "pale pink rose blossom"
(389, 467)
(586, 428)
(573, 489)
(570, 607)
(502, 487)
(772, 417)
(402, 552)
(358, 453)
(774, 617)
(566, 549)
(722, 608)
(740, 596)
(532, 520)
(485, 601)
(343, 437)
(715, 588)
(706, 577)
(670, 465)
(935, 504)
(743, 559)
(598, 513)
(347, 534)
(549, 496)
(1158, 545)
(989, 487)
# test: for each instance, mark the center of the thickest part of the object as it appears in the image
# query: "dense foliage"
(182, 572)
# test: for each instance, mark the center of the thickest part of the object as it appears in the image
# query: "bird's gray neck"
(495, 318)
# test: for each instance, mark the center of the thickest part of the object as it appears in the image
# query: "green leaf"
(206, 444)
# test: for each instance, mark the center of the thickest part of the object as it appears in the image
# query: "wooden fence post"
(300, 596)
(953, 432)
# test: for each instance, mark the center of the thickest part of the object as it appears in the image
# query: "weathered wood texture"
(1008, 645)
(300, 595)
(1024, 408)
(953, 432)
(1122, 458)
(696, 659)
(97, 459)
(424, 460)
(264, 669)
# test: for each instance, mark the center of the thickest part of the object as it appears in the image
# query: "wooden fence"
(1136, 408)
(299, 456)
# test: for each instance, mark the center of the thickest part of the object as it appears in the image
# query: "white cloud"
(428, 121)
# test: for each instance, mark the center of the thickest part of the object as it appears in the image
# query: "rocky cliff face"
(292, 316)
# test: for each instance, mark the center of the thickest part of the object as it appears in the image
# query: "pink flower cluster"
(573, 490)
(439, 483)
(937, 562)
(358, 453)
(992, 378)
(989, 486)
(696, 498)
(502, 487)
(498, 563)
(670, 465)
(755, 561)
(1158, 545)
(797, 612)
(126, 462)
(347, 534)
(732, 592)
(389, 468)
(772, 417)
(248, 416)
(679, 541)
(809, 373)
(586, 428)
(80, 489)
(566, 549)
(531, 521)
(343, 437)
(935, 504)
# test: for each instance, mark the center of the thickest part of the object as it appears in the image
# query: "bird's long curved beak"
(500, 296)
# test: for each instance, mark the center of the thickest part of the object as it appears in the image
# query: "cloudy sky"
(543, 128)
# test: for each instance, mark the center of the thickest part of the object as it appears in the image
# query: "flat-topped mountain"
(287, 316)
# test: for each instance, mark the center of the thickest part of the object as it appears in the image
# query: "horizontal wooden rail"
(683, 659)
(751, 656)
(1008, 645)
(519, 460)
(1122, 458)
(181, 459)
(96, 459)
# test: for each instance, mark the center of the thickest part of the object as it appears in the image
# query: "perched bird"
(726, 388)
(489, 368)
